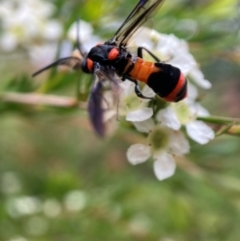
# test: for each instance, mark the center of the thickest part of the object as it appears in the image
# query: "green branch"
(219, 120)
(230, 126)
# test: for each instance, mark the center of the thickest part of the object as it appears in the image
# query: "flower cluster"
(33, 28)
(30, 25)
(165, 127)
(24, 22)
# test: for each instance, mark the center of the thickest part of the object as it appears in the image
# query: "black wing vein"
(143, 11)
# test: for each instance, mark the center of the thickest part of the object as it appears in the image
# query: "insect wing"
(95, 108)
(110, 74)
(96, 99)
(143, 11)
(72, 62)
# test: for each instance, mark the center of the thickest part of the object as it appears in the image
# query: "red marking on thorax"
(113, 54)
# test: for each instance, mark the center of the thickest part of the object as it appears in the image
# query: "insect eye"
(87, 66)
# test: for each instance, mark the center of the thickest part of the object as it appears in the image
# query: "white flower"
(163, 145)
(182, 113)
(75, 200)
(144, 126)
(52, 30)
(82, 28)
(23, 205)
(8, 42)
(25, 21)
(85, 31)
(164, 166)
(165, 139)
(10, 183)
(42, 55)
(167, 117)
(51, 208)
(199, 132)
(138, 153)
(197, 77)
(140, 114)
(134, 108)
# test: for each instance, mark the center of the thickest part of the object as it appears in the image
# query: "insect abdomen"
(166, 80)
(142, 70)
(169, 82)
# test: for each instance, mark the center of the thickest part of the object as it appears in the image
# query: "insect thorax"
(100, 53)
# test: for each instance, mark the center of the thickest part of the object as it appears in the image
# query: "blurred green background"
(58, 181)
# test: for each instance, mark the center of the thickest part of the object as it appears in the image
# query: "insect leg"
(140, 53)
(137, 89)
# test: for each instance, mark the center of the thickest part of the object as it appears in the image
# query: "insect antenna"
(74, 61)
(68, 61)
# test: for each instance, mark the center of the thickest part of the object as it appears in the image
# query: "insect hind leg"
(140, 53)
(137, 89)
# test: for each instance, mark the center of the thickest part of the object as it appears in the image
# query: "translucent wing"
(143, 11)
(72, 62)
(96, 99)
(95, 108)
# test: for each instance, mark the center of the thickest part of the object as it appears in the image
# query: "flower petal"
(144, 126)
(197, 110)
(168, 117)
(138, 153)
(182, 60)
(199, 132)
(84, 28)
(197, 76)
(178, 143)
(8, 42)
(52, 30)
(192, 92)
(164, 166)
(128, 88)
(140, 114)
(147, 91)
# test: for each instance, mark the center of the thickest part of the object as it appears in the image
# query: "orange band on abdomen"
(142, 70)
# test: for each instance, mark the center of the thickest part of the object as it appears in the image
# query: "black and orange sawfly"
(113, 62)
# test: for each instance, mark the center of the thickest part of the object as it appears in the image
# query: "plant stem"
(219, 120)
(40, 99)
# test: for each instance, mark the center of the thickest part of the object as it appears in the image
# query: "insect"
(112, 61)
